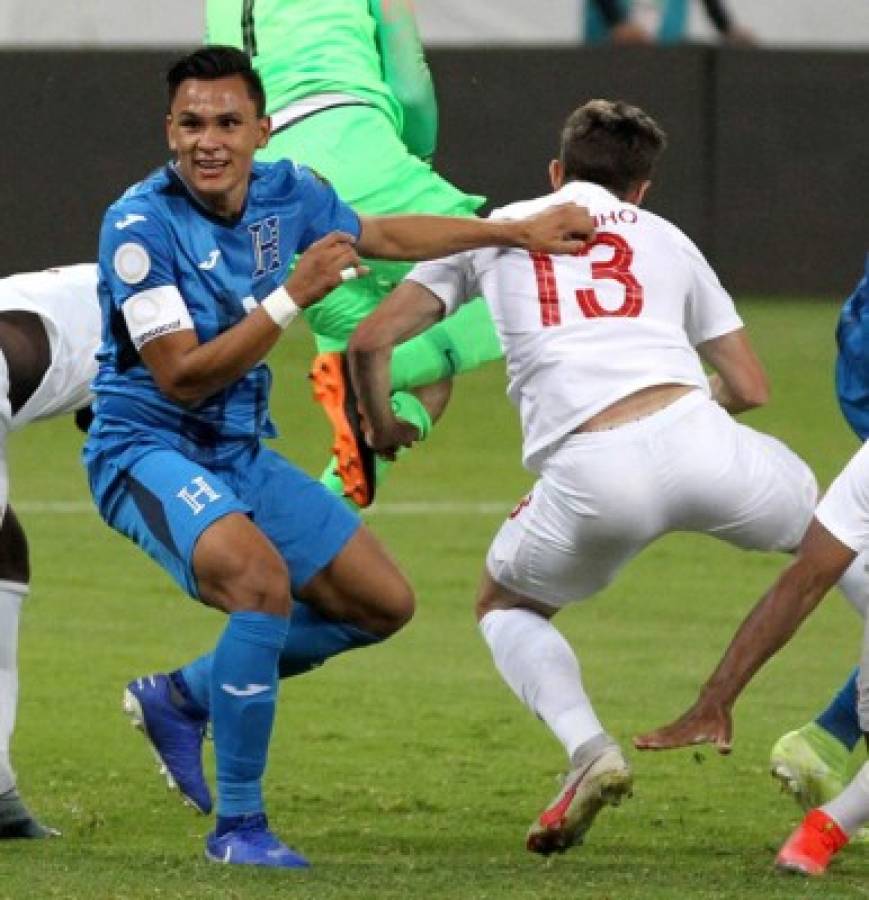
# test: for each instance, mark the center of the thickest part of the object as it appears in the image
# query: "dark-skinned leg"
(16, 821)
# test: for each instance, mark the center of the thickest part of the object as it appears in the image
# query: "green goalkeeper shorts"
(357, 150)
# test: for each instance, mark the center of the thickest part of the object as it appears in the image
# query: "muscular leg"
(25, 348)
(239, 571)
(14, 579)
(15, 818)
(537, 663)
(543, 671)
(359, 599)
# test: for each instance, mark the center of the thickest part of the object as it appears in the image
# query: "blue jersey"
(158, 237)
(852, 363)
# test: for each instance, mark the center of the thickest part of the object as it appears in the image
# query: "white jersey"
(66, 301)
(581, 332)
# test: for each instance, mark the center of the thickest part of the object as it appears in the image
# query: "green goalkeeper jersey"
(302, 48)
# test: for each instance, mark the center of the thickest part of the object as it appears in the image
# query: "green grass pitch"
(409, 770)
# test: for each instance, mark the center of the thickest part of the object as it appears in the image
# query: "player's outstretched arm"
(408, 310)
(820, 563)
(558, 229)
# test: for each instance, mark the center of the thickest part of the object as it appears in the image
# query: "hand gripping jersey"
(167, 265)
(582, 332)
(66, 301)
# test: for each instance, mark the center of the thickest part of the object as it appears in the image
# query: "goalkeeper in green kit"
(350, 95)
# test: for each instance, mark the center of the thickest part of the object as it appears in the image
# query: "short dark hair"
(213, 62)
(610, 143)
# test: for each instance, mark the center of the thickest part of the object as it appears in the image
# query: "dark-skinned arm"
(820, 563)
(408, 310)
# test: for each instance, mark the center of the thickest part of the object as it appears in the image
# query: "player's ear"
(639, 193)
(556, 174)
(265, 130)
(170, 138)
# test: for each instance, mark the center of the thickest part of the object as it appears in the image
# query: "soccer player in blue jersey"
(197, 283)
(812, 762)
(655, 21)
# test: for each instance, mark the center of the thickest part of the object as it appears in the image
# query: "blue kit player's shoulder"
(852, 363)
(311, 196)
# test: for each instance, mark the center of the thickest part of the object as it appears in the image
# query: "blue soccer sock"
(193, 684)
(244, 689)
(840, 717)
(311, 640)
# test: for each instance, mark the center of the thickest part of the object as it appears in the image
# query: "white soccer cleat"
(563, 824)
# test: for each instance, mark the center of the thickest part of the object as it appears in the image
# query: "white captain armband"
(281, 307)
(155, 312)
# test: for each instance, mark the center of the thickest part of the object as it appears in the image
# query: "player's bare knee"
(394, 609)
(491, 596)
(488, 594)
(253, 583)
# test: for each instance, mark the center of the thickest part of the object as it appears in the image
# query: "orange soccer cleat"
(810, 848)
(355, 460)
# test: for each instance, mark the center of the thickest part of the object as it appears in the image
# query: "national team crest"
(266, 246)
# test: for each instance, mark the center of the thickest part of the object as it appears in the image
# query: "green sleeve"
(407, 74)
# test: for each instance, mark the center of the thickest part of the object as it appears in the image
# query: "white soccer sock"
(12, 595)
(543, 671)
(850, 809)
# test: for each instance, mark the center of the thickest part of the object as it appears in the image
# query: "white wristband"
(281, 307)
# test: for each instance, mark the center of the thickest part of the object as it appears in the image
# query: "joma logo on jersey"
(266, 245)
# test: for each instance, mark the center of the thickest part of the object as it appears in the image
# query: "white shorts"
(844, 509)
(844, 512)
(603, 496)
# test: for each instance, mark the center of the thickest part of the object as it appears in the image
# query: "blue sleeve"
(135, 252)
(325, 210)
(852, 361)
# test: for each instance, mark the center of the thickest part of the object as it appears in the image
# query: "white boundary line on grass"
(407, 508)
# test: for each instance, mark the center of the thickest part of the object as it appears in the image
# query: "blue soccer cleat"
(252, 844)
(175, 737)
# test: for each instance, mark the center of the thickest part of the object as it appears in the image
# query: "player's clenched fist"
(322, 267)
(564, 228)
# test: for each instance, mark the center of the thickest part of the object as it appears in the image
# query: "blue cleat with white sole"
(252, 844)
(174, 735)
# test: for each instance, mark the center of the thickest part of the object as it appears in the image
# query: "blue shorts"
(164, 501)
